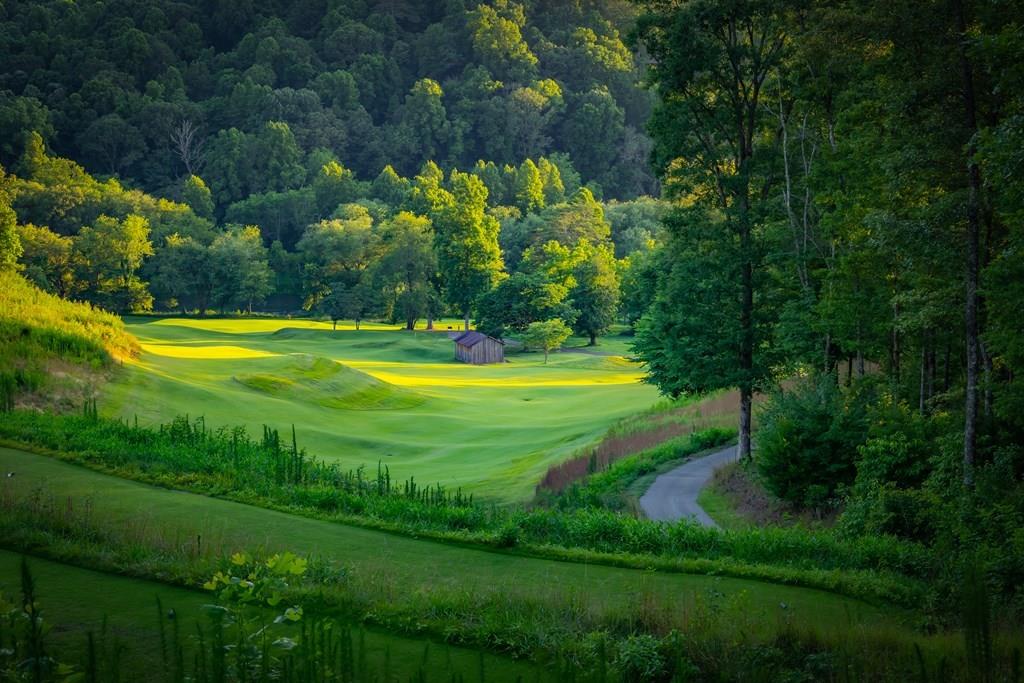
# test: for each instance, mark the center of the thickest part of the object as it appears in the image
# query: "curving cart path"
(673, 495)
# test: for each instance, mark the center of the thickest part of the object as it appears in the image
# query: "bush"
(808, 440)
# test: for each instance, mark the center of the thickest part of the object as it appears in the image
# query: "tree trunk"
(921, 398)
(545, 356)
(334, 325)
(430, 321)
(593, 339)
(746, 329)
(895, 352)
(357, 324)
(973, 254)
(746, 401)
(466, 321)
(410, 324)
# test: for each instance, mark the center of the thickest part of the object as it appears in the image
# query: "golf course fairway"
(418, 566)
(381, 395)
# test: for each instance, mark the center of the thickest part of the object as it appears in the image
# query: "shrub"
(808, 439)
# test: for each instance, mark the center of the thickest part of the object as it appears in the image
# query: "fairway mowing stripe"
(449, 381)
(205, 352)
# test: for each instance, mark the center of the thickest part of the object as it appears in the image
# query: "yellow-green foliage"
(36, 327)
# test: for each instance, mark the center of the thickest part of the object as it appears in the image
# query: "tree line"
(394, 248)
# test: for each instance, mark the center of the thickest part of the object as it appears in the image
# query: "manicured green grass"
(396, 397)
(75, 601)
(418, 565)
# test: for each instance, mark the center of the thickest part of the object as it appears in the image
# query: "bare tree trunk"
(430, 321)
(895, 352)
(973, 255)
(746, 404)
(920, 389)
(986, 394)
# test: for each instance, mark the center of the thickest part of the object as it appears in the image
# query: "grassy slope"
(492, 430)
(130, 608)
(48, 342)
(415, 565)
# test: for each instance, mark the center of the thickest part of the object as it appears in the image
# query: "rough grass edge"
(872, 587)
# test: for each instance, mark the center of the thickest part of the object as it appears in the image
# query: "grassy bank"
(122, 615)
(48, 342)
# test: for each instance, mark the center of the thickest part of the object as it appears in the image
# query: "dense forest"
(310, 157)
(846, 190)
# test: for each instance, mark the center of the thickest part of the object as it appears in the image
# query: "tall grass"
(37, 328)
(664, 422)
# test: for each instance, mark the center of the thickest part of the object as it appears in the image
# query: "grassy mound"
(311, 379)
(44, 337)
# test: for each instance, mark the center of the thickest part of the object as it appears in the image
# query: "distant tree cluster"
(398, 249)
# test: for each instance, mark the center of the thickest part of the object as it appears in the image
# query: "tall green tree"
(407, 268)
(596, 294)
(47, 259)
(337, 250)
(242, 275)
(466, 240)
(10, 245)
(183, 274)
(108, 256)
(710, 64)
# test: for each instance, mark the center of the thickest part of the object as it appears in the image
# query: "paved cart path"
(673, 495)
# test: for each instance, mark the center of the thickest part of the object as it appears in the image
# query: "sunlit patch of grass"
(467, 380)
(204, 352)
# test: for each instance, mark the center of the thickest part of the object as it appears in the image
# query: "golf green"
(412, 566)
(381, 395)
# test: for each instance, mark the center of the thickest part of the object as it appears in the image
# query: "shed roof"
(472, 338)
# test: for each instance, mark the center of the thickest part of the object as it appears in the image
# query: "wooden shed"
(477, 348)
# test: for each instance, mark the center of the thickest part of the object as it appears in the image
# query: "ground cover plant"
(396, 397)
(588, 641)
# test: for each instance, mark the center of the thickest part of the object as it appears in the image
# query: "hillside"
(48, 342)
(367, 83)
